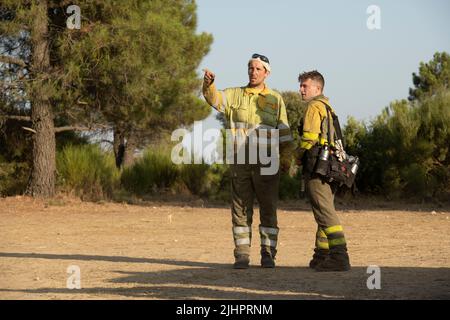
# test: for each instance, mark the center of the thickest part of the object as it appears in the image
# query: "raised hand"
(209, 77)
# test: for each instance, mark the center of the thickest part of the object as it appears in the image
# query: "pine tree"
(295, 108)
(138, 64)
(130, 68)
(433, 75)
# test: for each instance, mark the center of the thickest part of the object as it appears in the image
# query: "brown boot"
(241, 262)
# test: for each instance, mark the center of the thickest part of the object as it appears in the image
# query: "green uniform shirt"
(247, 108)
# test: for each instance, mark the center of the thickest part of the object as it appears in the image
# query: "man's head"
(311, 84)
(258, 70)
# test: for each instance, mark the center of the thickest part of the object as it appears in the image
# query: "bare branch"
(21, 118)
(29, 129)
(80, 128)
(71, 128)
(107, 141)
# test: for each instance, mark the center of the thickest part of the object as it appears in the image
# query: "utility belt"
(322, 160)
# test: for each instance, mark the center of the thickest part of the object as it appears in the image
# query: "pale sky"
(364, 69)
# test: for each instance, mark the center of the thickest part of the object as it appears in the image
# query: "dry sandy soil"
(168, 251)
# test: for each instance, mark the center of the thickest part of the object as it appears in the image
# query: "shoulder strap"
(337, 126)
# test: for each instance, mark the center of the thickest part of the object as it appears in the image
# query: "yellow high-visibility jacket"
(246, 108)
(315, 124)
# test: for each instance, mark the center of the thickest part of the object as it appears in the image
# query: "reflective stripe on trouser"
(246, 184)
(335, 235)
(269, 238)
(242, 236)
(322, 202)
(321, 239)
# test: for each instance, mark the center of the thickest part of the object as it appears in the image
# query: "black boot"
(267, 260)
(319, 256)
(268, 257)
(338, 260)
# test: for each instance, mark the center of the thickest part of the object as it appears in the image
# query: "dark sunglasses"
(263, 58)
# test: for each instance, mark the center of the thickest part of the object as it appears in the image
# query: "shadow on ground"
(202, 280)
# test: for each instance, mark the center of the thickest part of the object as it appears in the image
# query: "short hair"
(313, 75)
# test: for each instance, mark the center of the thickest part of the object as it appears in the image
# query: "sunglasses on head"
(263, 58)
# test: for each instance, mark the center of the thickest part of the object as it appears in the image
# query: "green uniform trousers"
(329, 230)
(246, 184)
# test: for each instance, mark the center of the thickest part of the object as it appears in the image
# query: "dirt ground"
(167, 251)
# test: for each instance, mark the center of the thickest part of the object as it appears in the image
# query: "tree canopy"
(130, 68)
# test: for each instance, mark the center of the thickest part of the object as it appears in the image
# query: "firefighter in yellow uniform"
(330, 253)
(249, 109)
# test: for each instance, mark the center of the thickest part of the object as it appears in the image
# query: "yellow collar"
(262, 92)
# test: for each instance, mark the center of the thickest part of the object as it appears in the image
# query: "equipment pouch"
(310, 159)
(341, 172)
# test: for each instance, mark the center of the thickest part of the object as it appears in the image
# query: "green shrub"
(87, 171)
(154, 171)
(197, 178)
(415, 178)
(289, 187)
(211, 181)
(220, 182)
(13, 178)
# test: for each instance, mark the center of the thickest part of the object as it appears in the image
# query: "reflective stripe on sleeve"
(311, 136)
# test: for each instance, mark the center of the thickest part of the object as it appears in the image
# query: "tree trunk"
(119, 147)
(42, 183)
(124, 146)
(131, 145)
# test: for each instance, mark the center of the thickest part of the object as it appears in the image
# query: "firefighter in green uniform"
(249, 109)
(330, 253)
